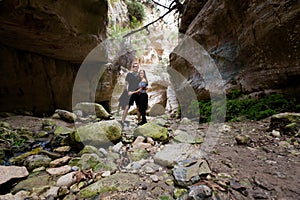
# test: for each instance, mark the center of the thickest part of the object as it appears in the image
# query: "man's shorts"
(133, 98)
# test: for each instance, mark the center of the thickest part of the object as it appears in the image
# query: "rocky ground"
(251, 160)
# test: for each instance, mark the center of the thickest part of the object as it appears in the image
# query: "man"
(131, 84)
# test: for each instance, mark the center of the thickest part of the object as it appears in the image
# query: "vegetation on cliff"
(240, 107)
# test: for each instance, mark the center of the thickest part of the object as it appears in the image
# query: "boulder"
(152, 130)
(117, 182)
(99, 133)
(185, 137)
(66, 115)
(188, 172)
(38, 181)
(286, 123)
(88, 108)
(173, 153)
(35, 161)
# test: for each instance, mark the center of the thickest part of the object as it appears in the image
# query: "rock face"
(254, 44)
(42, 44)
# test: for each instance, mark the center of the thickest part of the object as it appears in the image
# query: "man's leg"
(125, 112)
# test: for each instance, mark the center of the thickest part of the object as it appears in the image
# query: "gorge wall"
(255, 44)
(42, 44)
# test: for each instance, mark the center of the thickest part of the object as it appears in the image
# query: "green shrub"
(234, 94)
(246, 108)
(136, 12)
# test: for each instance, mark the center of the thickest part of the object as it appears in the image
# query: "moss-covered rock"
(184, 137)
(88, 108)
(62, 130)
(90, 149)
(139, 154)
(88, 161)
(99, 133)
(5, 125)
(33, 182)
(117, 182)
(35, 161)
(286, 123)
(66, 115)
(152, 130)
(20, 159)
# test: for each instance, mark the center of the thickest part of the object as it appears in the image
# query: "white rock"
(53, 191)
(154, 178)
(59, 170)
(60, 161)
(276, 133)
(116, 148)
(9, 172)
(66, 180)
(106, 174)
(225, 128)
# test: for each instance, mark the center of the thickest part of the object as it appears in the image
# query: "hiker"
(142, 96)
(127, 99)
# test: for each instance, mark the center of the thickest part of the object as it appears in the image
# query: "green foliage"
(134, 23)
(136, 12)
(117, 31)
(12, 138)
(233, 94)
(165, 198)
(244, 108)
(270, 105)
(298, 108)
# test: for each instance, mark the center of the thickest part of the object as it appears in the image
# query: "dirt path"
(266, 165)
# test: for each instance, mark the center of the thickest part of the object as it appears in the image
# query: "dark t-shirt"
(133, 81)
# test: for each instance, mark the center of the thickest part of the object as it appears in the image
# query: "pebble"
(200, 191)
(275, 133)
(271, 162)
(63, 149)
(74, 168)
(242, 139)
(106, 174)
(116, 148)
(149, 170)
(154, 178)
(103, 151)
(39, 169)
(136, 166)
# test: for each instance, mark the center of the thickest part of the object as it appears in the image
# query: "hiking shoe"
(141, 123)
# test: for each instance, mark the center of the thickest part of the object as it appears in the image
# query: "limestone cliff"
(255, 44)
(42, 44)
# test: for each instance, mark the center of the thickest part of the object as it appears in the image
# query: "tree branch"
(176, 6)
(160, 4)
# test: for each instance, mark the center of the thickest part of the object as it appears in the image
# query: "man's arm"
(126, 85)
